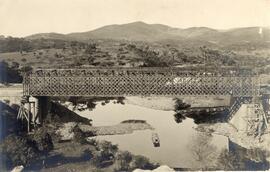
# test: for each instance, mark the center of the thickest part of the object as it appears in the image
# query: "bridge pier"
(254, 120)
(266, 105)
(43, 108)
(34, 110)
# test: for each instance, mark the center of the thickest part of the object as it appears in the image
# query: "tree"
(8, 74)
(90, 48)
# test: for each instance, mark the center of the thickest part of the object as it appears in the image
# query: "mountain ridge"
(140, 31)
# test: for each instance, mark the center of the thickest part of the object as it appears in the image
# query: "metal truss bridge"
(113, 82)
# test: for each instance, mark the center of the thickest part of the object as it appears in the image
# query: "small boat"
(155, 140)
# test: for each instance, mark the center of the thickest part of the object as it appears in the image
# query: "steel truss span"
(139, 82)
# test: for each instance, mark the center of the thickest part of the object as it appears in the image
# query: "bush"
(179, 105)
(79, 135)
(18, 150)
(142, 162)
(92, 142)
(43, 141)
(23, 60)
(105, 154)
(128, 162)
(26, 69)
(123, 161)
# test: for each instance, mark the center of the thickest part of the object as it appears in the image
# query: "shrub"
(23, 60)
(123, 161)
(108, 148)
(106, 154)
(26, 69)
(79, 135)
(92, 142)
(87, 153)
(179, 105)
(142, 162)
(100, 160)
(18, 150)
(43, 140)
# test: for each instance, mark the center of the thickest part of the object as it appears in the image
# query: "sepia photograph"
(134, 85)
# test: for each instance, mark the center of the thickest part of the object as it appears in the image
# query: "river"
(174, 138)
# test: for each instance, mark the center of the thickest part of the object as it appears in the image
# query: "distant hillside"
(139, 31)
(2, 37)
(48, 36)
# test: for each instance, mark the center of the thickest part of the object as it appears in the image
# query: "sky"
(25, 17)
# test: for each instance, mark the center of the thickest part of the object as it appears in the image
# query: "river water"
(175, 139)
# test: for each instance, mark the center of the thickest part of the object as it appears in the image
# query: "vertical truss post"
(29, 117)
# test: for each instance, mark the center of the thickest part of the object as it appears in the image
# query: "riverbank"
(167, 103)
(94, 156)
(240, 129)
(66, 130)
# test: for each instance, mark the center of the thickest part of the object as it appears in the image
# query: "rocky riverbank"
(240, 130)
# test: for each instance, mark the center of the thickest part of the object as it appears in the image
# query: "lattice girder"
(137, 82)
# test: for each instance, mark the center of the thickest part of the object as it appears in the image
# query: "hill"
(137, 31)
(47, 36)
(140, 31)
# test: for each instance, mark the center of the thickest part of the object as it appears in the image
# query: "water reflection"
(178, 117)
(174, 138)
(88, 103)
(201, 116)
(177, 148)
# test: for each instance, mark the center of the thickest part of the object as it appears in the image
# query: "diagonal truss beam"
(138, 82)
